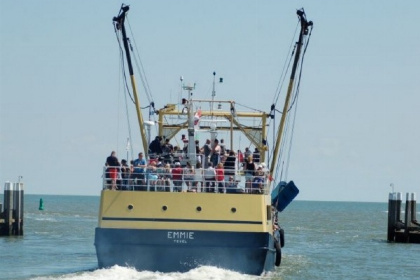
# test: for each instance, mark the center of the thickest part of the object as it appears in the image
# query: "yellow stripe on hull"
(184, 211)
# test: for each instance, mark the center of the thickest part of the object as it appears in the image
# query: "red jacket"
(220, 174)
(177, 173)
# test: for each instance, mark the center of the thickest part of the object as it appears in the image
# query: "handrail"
(158, 179)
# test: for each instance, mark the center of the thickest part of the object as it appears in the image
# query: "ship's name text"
(181, 236)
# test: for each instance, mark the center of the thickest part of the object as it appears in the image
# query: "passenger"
(231, 185)
(138, 173)
(177, 154)
(113, 168)
(167, 147)
(222, 149)
(240, 156)
(167, 151)
(199, 178)
(166, 177)
(210, 178)
(189, 176)
(125, 174)
(177, 177)
(215, 153)
(155, 146)
(220, 178)
(256, 156)
(206, 151)
(185, 148)
(160, 171)
(198, 151)
(230, 164)
(249, 170)
(151, 176)
(247, 154)
(258, 181)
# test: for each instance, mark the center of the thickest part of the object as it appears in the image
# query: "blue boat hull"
(170, 250)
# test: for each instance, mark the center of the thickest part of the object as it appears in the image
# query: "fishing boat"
(153, 223)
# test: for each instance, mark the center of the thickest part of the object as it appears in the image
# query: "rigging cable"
(139, 65)
(143, 77)
(128, 121)
(123, 67)
(296, 96)
(280, 85)
(126, 88)
(286, 69)
(295, 100)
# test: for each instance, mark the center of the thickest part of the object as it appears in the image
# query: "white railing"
(161, 180)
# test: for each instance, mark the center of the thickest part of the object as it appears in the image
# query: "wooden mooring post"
(407, 231)
(11, 218)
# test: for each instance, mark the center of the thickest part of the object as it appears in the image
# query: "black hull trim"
(171, 250)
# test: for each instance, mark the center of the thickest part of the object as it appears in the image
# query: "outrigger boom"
(119, 24)
(304, 24)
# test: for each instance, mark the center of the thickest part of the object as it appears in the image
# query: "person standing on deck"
(249, 170)
(206, 151)
(125, 174)
(177, 172)
(210, 178)
(189, 176)
(113, 167)
(230, 164)
(247, 153)
(199, 177)
(220, 178)
(215, 156)
(240, 157)
(256, 155)
(138, 172)
(155, 147)
(222, 150)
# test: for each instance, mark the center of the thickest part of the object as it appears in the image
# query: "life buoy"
(281, 237)
(278, 253)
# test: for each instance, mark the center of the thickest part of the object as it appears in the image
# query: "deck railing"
(160, 180)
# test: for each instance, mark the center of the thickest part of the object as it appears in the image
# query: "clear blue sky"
(357, 129)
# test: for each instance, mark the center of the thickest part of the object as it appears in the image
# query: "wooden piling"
(414, 209)
(399, 231)
(398, 207)
(11, 219)
(407, 221)
(18, 197)
(392, 216)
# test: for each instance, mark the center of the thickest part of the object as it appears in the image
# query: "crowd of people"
(217, 169)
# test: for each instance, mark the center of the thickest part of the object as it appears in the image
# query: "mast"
(304, 24)
(119, 23)
(191, 155)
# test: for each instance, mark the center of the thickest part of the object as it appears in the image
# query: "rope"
(126, 88)
(286, 69)
(281, 83)
(139, 65)
(122, 66)
(142, 74)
